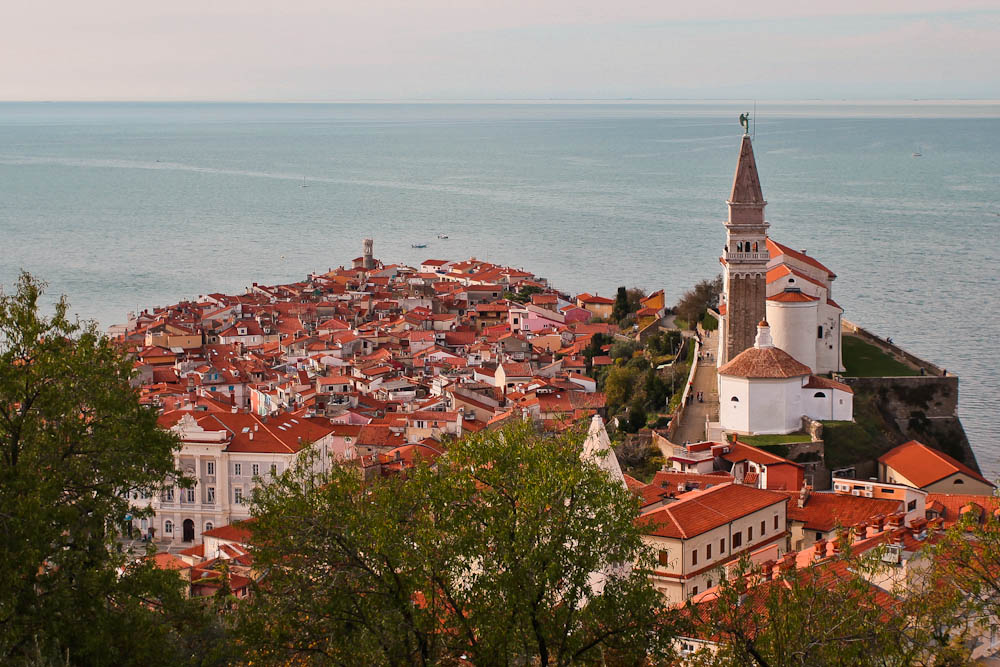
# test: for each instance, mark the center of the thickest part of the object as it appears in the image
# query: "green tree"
(618, 387)
(75, 447)
(697, 300)
(830, 613)
(620, 309)
(491, 554)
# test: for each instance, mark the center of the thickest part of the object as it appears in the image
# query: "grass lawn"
(862, 359)
(765, 440)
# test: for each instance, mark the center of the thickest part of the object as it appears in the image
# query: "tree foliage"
(75, 446)
(491, 554)
(832, 613)
(697, 300)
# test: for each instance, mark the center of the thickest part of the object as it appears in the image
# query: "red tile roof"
(776, 249)
(817, 382)
(792, 296)
(825, 511)
(701, 511)
(923, 465)
(766, 362)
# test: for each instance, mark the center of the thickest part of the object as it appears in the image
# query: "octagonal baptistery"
(761, 389)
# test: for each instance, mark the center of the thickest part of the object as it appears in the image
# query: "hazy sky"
(436, 49)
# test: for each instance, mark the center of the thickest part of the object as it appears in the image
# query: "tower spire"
(745, 257)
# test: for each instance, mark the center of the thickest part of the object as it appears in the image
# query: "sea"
(124, 206)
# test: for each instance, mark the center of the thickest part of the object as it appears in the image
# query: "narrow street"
(692, 427)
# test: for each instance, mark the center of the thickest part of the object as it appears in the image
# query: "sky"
(312, 50)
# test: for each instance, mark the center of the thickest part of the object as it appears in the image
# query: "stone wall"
(922, 408)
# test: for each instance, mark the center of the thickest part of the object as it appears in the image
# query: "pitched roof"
(824, 511)
(776, 249)
(764, 362)
(746, 182)
(817, 382)
(923, 465)
(951, 506)
(698, 512)
(792, 296)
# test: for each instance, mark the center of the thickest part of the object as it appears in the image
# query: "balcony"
(747, 257)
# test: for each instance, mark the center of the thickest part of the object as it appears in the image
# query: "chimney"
(819, 549)
(872, 530)
(767, 569)
(804, 495)
(251, 435)
(896, 521)
(787, 563)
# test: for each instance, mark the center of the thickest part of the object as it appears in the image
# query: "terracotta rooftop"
(700, 511)
(768, 362)
(825, 511)
(792, 296)
(923, 465)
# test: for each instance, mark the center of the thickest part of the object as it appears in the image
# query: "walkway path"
(692, 426)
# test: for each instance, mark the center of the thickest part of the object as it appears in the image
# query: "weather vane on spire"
(745, 122)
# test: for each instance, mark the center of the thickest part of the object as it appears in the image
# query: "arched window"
(755, 246)
(734, 399)
(791, 280)
(819, 394)
(739, 247)
(959, 481)
(208, 526)
(168, 527)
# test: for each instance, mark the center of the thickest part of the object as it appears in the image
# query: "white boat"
(418, 245)
(442, 236)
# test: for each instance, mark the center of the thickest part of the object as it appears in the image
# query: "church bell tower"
(745, 258)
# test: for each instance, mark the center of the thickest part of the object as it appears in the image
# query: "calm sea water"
(133, 205)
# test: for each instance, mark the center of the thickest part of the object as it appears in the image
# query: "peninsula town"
(751, 422)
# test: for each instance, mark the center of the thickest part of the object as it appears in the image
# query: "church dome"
(764, 362)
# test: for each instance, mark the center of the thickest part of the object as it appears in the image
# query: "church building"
(765, 280)
(779, 326)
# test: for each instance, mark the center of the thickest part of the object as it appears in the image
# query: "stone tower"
(368, 260)
(745, 258)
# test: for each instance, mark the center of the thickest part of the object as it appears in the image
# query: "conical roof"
(746, 182)
(597, 448)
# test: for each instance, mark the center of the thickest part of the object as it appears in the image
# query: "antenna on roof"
(753, 135)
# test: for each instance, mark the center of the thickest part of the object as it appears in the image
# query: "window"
(734, 399)
(694, 590)
(255, 469)
(170, 494)
(694, 557)
(912, 505)
(238, 496)
(819, 331)
(168, 527)
(210, 468)
(749, 533)
(664, 557)
(722, 546)
(237, 469)
(819, 394)
(737, 539)
(776, 522)
(209, 526)
(274, 469)
(762, 528)
(819, 536)
(708, 552)
(959, 481)
(708, 584)
(210, 494)
(190, 495)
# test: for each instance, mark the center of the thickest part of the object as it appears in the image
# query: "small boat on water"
(418, 245)
(442, 236)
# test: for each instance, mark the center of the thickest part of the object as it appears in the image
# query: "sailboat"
(917, 153)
